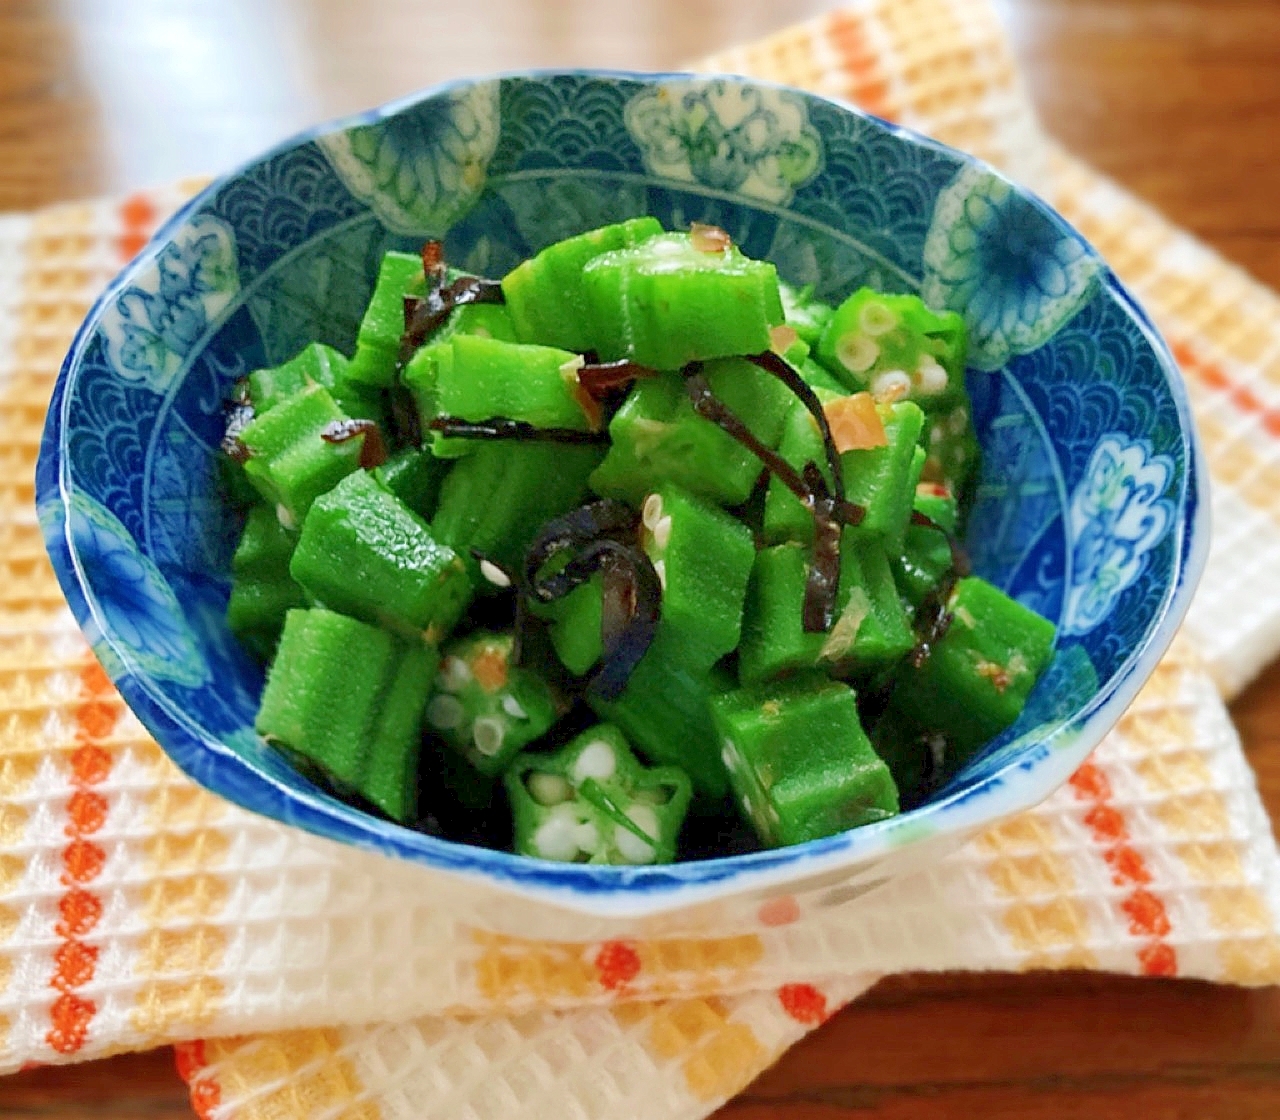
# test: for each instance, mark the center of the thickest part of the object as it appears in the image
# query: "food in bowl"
(635, 533)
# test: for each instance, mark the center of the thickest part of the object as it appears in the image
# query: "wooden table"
(1177, 99)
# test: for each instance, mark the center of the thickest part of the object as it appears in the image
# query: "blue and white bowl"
(1091, 507)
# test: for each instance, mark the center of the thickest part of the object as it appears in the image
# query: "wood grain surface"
(1177, 99)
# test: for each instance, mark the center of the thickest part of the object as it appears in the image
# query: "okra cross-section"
(799, 762)
(592, 802)
(895, 344)
(363, 552)
(486, 708)
(349, 698)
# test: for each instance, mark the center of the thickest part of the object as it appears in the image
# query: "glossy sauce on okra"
(636, 554)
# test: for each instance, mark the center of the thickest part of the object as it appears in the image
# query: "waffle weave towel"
(136, 910)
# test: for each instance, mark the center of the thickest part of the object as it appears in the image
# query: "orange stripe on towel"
(1148, 918)
(80, 909)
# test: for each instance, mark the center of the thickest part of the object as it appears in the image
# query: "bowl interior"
(1086, 506)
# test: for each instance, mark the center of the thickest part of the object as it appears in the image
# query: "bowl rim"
(625, 892)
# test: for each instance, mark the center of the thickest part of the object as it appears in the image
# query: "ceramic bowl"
(1091, 507)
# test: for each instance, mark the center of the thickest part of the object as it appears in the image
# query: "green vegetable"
(800, 764)
(496, 499)
(290, 463)
(261, 589)
(665, 302)
(484, 707)
(378, 343)
(546, 295)
(882, 479)
(364, 552)
(349, 698)
(656, 437)
(870, 632)
(882, 342)
(592, 802)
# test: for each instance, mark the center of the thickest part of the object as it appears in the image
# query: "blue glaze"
(1089, 508)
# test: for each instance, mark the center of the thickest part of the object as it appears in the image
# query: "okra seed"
(930, 376)
(487, 734)
(876, 319)
(629, 845)
(892, 385)
(857, 352)
(651, 511)
(660, 567)
(494, 574)
(455, 674)
(662, 532)
(556, 837)
(587, 837)
(286, 519)
(597, 760)
(514, 708)
(445, 712)
(548, 789)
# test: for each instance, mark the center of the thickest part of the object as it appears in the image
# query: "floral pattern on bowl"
(420, 172)
(752, 140)
(1117, 516)
(134, 608)
(1088, 507)
(157, 320)
(991, 256)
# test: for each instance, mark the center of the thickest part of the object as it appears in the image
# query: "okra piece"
(667, 301)
(415, 478)
(799, 762)
(364, 552)
(496, 499)
(575, 626)
(484, 377)
(871, 630)
(349, 698)
(896, 344)
(703, 558)
(882, 479)
(978, 675)
(926, 552)
(656, 437)
(593, 802)
(483, 320)
(665, 712)
(545, 295)
(484, 707)
(804, 314)
(290, 463)
(316, 364)
(261, 588)
(378, 340)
